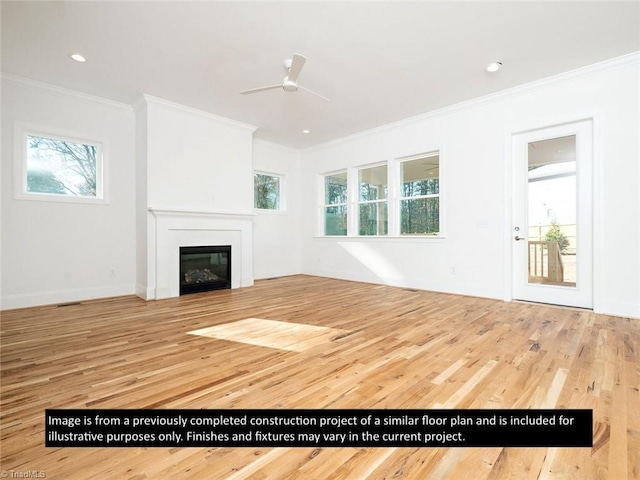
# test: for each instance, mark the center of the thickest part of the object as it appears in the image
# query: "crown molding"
(627, 60)
(67, 92)
(278, 146)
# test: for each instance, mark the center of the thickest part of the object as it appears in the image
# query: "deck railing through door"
(545, 262)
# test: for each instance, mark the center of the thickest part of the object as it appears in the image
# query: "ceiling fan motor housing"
(293, 67)
(288, 85)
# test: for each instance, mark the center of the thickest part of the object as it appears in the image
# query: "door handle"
(519, 238)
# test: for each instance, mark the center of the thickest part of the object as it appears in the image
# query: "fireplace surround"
(171, 229)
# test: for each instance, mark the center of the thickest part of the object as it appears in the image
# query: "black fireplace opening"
(205, 268)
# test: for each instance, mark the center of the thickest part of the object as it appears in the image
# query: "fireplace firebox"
(205, 268)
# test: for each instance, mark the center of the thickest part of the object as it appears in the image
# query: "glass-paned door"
(551, 233)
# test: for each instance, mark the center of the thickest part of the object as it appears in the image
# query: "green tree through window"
(372, 208)
(420, 196)
(335, 209)
(266, 191)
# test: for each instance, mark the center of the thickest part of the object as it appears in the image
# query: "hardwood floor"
(378, 347)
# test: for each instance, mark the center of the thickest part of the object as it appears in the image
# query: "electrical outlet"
(453, 270)
(112, 272)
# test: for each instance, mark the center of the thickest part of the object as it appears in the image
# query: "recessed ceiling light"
(494, 67)
(306, 131)
(78, 58)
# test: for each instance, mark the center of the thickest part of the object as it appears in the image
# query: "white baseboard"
(23, 300)
(10, 302)
(401, 282)
(143, 292)
(619, 309)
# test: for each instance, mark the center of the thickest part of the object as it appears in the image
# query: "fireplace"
(205, 268)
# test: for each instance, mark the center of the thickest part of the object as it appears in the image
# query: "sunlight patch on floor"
(296, 337)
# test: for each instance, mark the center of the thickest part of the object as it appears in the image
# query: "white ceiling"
(378, 62)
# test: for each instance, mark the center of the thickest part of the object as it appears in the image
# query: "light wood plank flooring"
(386, 348)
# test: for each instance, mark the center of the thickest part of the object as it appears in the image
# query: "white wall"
(276, 234)
(196, 160)
(473, 139)
(55, 252)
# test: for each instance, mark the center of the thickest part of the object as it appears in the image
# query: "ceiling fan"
(293, 67)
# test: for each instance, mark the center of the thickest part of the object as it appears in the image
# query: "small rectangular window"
(268, 191)
(58, 167)
(420, 196)
(335, 208)
(372, 201)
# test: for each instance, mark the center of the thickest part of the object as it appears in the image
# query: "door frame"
(540, 132)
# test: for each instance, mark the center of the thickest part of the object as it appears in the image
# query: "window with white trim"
(58, 167)
(398, 198)
(268, 191)
(372, 201)
(419, 196)
(335, 204)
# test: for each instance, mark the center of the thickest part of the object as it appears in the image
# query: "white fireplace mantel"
(174, 212)
(170, 229)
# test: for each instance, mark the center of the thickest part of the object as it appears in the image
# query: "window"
(420, 196)
(398, 198)
(372, 202)
(55, 167)
(268, 191)
(335, 204)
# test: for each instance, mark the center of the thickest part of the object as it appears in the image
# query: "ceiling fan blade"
(316, 94)
(297, 62)
(261, 89)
